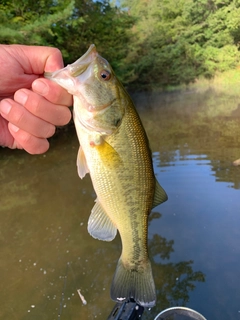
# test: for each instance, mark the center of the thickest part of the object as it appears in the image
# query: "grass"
(225, 82)
(228, 81)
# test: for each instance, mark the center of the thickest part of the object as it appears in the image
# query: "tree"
(178, 43)
(29, 22)
(70, 26)
(149, 43)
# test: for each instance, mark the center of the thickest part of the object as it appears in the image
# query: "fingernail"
(5, 106)
(21, 97)
(13, 127)
(40, 87)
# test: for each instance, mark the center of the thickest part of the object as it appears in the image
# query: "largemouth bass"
(114, 149)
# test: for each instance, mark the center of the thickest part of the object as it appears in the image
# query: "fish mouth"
(62, 76)
(79, 66)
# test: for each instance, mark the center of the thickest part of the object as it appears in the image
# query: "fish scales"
(114, 150)
(137, 194)
(136, 182)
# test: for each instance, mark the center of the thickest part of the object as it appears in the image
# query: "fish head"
(95, 88)
(67, 77)
(90, 78)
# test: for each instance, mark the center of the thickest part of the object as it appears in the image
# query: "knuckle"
(57, 52)
(16, 115)
(25, 138)
(33, 104)
(59, 95)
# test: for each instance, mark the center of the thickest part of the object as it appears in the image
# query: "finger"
(6, 138)
(40, 58)
(52, 92)
(10, 85)
(24, 140)
(28, 63)
(37, 105)
(23, 119)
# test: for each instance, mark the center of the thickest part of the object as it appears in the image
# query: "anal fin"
(99, 224)
(160, 195)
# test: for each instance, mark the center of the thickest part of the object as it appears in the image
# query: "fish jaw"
(80, 65)
(71, 77)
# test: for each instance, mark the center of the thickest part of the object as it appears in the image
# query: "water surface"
(47, 253)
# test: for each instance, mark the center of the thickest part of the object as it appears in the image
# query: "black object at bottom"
(129, 310)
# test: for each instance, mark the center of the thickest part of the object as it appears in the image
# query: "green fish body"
(114, 150)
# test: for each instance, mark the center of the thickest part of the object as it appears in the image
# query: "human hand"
(30, 105)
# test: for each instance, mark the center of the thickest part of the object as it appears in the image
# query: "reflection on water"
(47, 254)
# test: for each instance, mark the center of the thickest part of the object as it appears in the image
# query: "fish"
(114, 150)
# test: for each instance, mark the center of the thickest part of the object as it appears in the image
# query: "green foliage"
(69, 25)
(178, 43)
(29, 22)
(98, 23)
(149, 43)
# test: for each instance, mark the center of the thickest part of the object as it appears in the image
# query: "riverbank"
(228, 81)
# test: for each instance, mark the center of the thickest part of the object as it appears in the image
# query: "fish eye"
(105, 75)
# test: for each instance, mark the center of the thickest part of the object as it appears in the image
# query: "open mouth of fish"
(76, 69)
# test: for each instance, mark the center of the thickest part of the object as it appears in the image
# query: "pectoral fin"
(108, 153)
(99, 225)
(160, 195)
(82, 163)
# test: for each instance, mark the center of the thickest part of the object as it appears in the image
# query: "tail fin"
(138, 285)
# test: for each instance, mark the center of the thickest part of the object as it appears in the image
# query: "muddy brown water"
(47, 253)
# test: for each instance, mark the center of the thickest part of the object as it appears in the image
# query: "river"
(47, 253)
